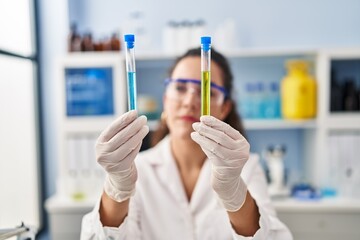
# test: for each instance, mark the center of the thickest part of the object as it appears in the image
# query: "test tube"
(130, 69)
(205, 75)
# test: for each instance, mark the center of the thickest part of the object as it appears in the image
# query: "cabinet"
(307, 157)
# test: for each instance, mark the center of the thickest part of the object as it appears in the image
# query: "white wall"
(277, 23)
(53, 34)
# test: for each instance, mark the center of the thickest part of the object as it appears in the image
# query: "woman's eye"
(180, 88)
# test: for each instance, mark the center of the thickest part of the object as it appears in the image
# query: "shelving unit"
(310, 135)
(307, 139)
(344, 121)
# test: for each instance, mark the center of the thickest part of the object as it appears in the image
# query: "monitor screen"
(89, 91)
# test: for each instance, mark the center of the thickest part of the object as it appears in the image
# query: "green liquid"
(205, 93)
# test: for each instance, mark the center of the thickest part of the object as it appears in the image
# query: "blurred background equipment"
(85, 42)
(274, 157)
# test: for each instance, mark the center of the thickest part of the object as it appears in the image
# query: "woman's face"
(182, 112)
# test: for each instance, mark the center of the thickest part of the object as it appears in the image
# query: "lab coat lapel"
(169, 175)
(202, 191)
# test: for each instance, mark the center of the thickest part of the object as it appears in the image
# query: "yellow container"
(298, 91)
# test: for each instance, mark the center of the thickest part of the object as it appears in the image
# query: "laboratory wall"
(259, 24)
(278, 23)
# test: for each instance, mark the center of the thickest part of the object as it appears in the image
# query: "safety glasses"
(178, 89)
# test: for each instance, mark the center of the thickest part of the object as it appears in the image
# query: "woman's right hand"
(116, 149)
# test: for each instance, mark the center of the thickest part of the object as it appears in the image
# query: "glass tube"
(205, 75)
(131, 72)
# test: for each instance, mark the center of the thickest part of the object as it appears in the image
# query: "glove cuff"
(120, 186)
(235, 201)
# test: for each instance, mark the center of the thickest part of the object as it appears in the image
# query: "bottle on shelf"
(115, 42)
(246, 101)
(74, 39)
(271, 105)
(298, 91)
(87, 44)
(258, 100)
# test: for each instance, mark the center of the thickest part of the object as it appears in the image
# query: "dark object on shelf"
(98, 46)
(336, 94)
(304, 191)
(74, 39)
(351, 98)
(106, 45)
(115, 42)
(87, 43)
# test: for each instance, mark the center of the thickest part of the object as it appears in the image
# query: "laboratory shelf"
(84, 125)
(341, 205)
(351, 205)
(57, 203)
(235, 53)
(261, 124)
(343, 121)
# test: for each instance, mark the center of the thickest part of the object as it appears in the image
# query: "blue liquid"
(131, 77)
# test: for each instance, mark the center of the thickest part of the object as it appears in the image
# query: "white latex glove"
(228, 152)
(116, 149)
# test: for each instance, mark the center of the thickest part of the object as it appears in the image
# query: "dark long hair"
(233, 118)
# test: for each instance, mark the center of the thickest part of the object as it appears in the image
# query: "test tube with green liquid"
(130, 69)
(205, 75)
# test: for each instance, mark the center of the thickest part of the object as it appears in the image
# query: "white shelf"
(62, 204)
(261, 124)
(322, 205)
(236, 53)
(344, 121)
(81, 125)
(57, 203)
(344, 54)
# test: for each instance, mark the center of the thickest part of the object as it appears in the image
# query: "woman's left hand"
(228, 152)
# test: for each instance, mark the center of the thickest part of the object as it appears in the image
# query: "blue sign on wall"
(89, 91)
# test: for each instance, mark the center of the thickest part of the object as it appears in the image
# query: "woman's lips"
(190, 119)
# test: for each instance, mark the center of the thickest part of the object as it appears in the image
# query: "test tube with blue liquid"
(131, 72)
(205, 75)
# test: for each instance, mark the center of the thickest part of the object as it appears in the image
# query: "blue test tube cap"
(129, 39)
(206, 42)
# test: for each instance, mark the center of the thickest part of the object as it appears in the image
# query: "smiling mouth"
(190, 119)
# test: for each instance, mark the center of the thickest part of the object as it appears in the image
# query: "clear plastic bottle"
(272, 101)
(258, 100)
(246, 101)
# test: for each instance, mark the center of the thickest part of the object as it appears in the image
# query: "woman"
(198, 182)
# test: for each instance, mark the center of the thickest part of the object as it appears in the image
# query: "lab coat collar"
(170, 177)
(159, 152)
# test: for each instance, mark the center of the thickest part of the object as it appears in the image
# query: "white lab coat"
(160, 209)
